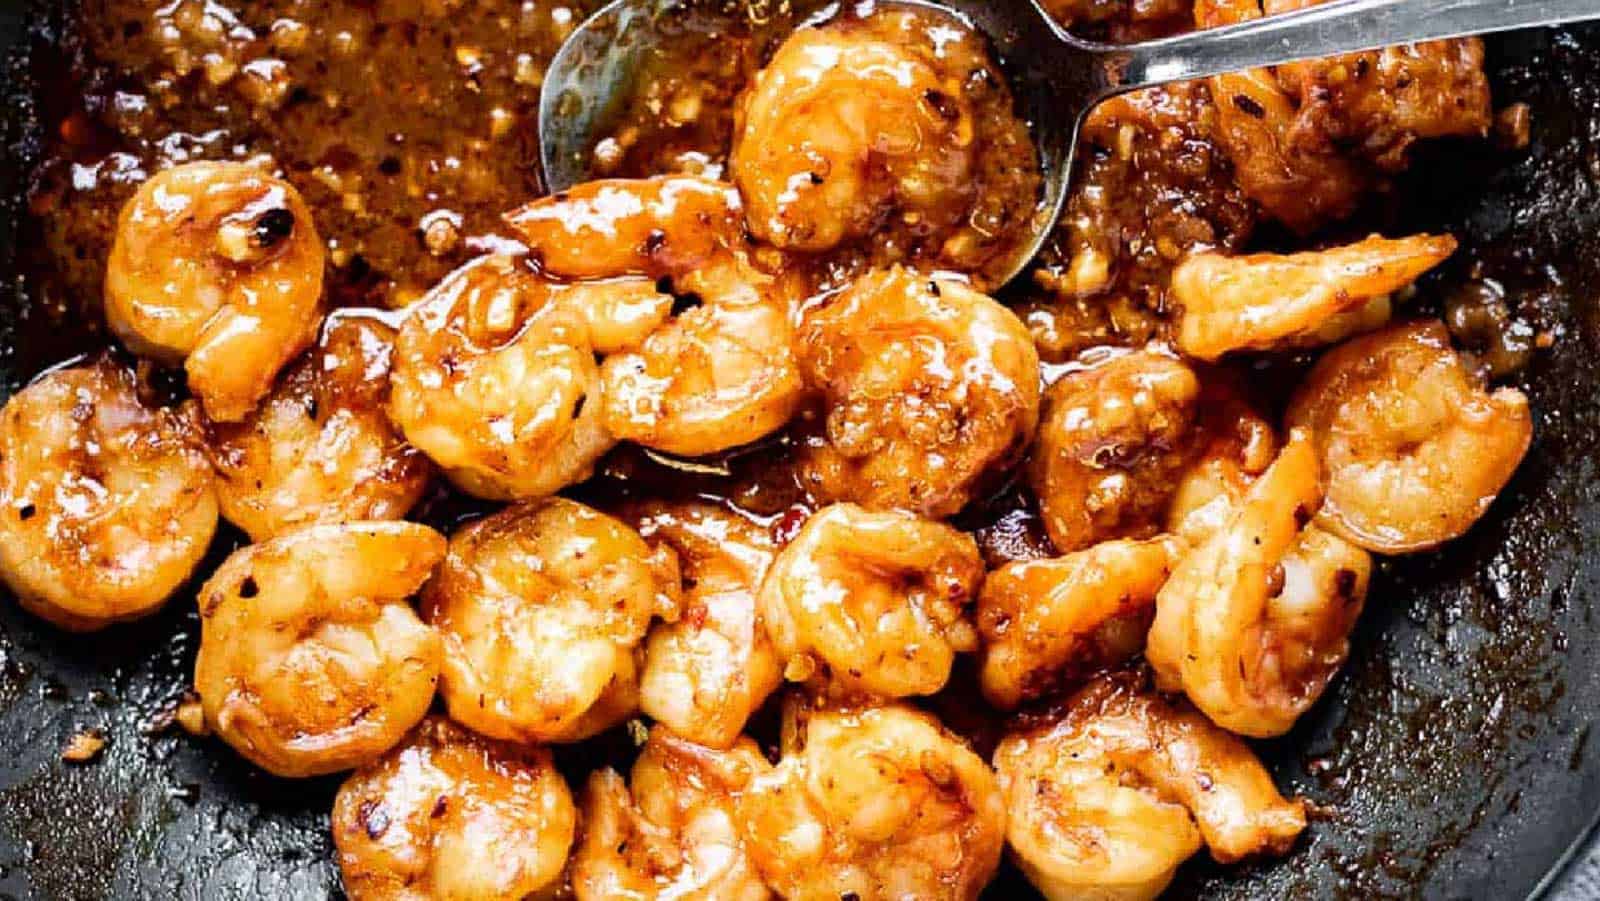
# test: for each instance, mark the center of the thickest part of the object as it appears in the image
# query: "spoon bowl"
(1055, 77)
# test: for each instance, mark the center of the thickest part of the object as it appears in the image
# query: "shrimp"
(320, 447)
(311, 661)
(675, 834)
(1268, 301)
(496, 381)
(930, 387)
(1040, 618)
(1113, 436)
(1413, 447)
(1256, 619)
(219, 267)
(106, 504)
(1379, 103)
(449, 814)
(1301, 183)
(872, 603)
(708, 671)
(717, 375)
(1106, 800)
(879, 803)
(847, 127)
(542, 607)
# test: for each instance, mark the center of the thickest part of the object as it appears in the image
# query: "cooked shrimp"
(874, 804)
(449, 814)
(680, 228)
(1301, 183)
(496, 381)
(1108, 800)
(106, 504)
(1268, 301)
(311, 661)
(1040, 618)
(320, 447)
(717, 375)
(1413, 447)
(1112, 438)
(1380, 102)
(708, 671)
(675, 834)
(1256, 618)
(930, 387)
(219, 267)
(847, 127)
(872, 602)
(542, 608)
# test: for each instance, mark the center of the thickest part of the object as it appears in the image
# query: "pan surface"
(1452, 759)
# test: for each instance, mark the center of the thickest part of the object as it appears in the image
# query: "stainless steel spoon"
(1056, 78)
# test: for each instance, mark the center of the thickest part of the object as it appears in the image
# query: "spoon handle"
(1325, 30)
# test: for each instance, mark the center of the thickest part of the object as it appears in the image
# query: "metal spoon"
(1055, 77)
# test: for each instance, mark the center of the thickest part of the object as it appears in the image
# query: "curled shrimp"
(449, 814)
(1113, 435)
(542, 607)
(930, 387)
(1040, 619)
(106, 504)
(217, 266)
(718, 374)
(706, 672)
(1109, 797)
(311, 660)
(496, 381)
(673, 833)
(1413, 447)
(848, 126)
(1268, 301)
(320, 447)
(1256, 619)
(880, 803)
(872, 602)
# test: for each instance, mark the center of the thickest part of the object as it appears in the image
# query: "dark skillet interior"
(1453, 758)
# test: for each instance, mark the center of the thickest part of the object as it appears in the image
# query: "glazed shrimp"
(1379, 103)
(320, 447)
(1040, 618)
(219, 267)
(106, 504)
(872, 602)
(707, 672)
(717, 375)
(1301, 183)
(1256, 618)
(449, 814)
(495, 380)
(1268, 301)
(311, 660)
(850, 124)
(674, 833)
(1112, 438)
(1108, 799)
(1413, 447)
(542, 608)
(874, 804)
(930, 387)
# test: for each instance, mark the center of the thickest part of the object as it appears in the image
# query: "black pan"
(1452, 759)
